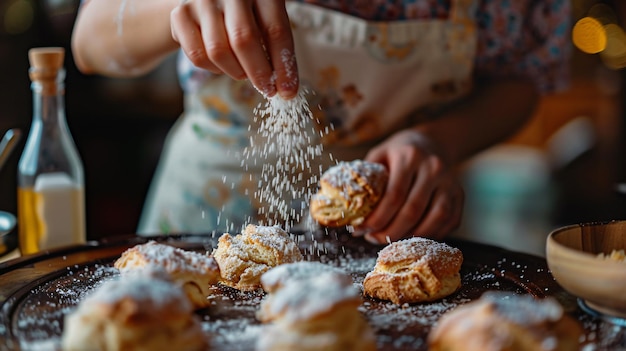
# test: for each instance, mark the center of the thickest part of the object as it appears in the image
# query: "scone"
(133, 313)
(316, 313)
(243, 258)
(277, 277)
(348, 193)
(499, 321)
(292, 274)
(414, 270)
(194, 271)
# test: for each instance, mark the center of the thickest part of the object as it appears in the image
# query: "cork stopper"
(45, 64)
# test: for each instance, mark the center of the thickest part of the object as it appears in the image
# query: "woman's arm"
(424, 196)
(122, 38)
(493, 113)
(243, 39)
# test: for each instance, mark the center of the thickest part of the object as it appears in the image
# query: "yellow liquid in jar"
(50, 217)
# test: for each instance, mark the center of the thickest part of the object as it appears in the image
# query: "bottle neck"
(48, 99)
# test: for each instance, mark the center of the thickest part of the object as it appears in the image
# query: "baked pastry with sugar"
(316, 313)
(243, 258)
(193, 271)
(501, 321)
(278, 276)
(414, 270)
(348, 193)
(136, 312)
(292, 274)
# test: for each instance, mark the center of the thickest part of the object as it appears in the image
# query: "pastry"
(277, 277)
(292, 274)
(414, 270)
(501, 321)
(614, 255)
(318, 312)
(348, 193)
(243, 258)
(194, 271)
(136, 312)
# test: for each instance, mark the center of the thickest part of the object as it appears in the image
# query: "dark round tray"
(37, 291)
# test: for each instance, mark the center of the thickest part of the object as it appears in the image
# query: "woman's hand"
(243, 39)
(423, 195)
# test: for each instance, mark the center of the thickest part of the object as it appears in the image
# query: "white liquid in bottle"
(60, 209)
(50, 192)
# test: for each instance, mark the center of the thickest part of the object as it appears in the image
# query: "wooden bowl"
(572, 256)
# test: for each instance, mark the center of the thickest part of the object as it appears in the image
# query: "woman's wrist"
(426, 139)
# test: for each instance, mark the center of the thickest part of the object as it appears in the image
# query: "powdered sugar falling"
(286, 144)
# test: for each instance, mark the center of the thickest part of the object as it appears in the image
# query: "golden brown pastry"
(194, 271)
(137, 312)
(414, 270)
(278, 276)
(315, 313)
(243, 258)
(348, 193)
(615, 255)
(292, 274)
(499, 321)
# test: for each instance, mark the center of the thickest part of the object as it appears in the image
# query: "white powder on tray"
(39, 321)
(399, 317)
(230, 320)
(236, 333)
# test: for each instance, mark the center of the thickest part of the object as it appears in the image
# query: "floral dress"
(370, 67)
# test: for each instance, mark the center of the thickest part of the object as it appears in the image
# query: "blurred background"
(565, 167)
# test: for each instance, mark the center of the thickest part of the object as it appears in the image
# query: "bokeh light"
(600, 33)
(589, 35)
(614, 55)
(18, 16)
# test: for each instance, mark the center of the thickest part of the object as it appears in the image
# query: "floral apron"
(366, 80)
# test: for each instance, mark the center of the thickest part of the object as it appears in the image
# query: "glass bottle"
(50, 194)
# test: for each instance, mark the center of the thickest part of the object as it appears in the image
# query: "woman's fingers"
(276, 31)
(402, 162)
(443, 215)
(186, 31)
(423, 196)
(243, 39)
(217, 41)
(246, 41)
(411, 211)
(394, 198)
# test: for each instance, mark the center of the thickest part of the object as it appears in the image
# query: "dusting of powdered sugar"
(399, 317)
(243, 258)
(342, 176)
(417, 249)
(288, 58)
(168, 257)
(40, 317)
(230, 321)
(294, 272)
(304, 299)
(153, 293)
